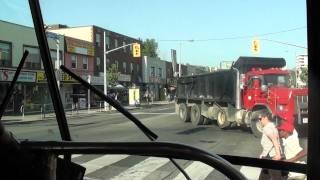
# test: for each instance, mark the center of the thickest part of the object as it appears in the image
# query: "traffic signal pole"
(105, 88)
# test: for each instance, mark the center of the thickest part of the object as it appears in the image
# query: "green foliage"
(149, 48)
(304, 75)
(113, 75)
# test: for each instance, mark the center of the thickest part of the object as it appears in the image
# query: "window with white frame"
(73, 61)
(107, 42)
(125, 48)
(85, 63)
(116, 63)
(5, 54)
(153, 71)
(98, 62)
(160, 72)
(98, 40)
(115, 43)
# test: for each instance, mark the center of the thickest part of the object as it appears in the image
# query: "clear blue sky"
(182, 20)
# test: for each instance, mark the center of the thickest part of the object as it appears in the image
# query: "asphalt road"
(164, 122)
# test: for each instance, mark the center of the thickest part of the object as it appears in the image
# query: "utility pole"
(89, 102)
(104, 69)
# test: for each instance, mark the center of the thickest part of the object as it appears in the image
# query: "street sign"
(136, 50)
(255, 46)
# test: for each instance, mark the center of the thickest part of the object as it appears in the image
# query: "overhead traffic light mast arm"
(116, 49)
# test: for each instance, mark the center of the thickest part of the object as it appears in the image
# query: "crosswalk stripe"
(251, 173)
(142, 169)
(196, 170)
(101, 162)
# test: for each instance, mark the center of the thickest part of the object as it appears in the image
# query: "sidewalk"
(74, 114)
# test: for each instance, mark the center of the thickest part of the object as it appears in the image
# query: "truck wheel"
(184, 113)
(255, 124)
(196, 117)
(222, 119)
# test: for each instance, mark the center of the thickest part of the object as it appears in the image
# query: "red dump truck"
(235, 96)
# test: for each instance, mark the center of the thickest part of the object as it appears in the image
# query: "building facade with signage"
(79, 58)
(14, 40)
(130, 68)
(154, 77)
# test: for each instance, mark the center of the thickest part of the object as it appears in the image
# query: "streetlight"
(56, 37)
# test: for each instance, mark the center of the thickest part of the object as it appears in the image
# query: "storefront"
(24, 91)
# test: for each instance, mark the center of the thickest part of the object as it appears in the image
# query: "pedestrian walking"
(271, 146)
(293, 152)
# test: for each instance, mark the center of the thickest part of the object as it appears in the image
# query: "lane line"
(142, 169)
(101, 162)
(196, 170)
(251, 173)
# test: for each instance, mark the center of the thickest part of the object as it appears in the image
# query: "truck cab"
(270, 89)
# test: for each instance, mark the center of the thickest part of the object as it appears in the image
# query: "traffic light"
(255, 46)
(136, 50)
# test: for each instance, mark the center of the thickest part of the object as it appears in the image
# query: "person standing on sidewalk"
(292, 150)
(271, 146)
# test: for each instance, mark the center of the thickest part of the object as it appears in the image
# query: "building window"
(131, 67)
(85, 63)
(33, 60)
(73, 61)
(107, 42)
(124, 65)
(98, 40)
(153, 73)
(98, 64)
(160, 72)
(108, 62)
(5, 54)
(125, 48)
(116, 63)
(115, 43)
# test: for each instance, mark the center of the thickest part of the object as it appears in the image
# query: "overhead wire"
(235, 37)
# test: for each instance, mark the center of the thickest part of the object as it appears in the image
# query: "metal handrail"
(156, 149)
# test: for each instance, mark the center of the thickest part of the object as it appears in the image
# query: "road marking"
(101, 162)
(73, 155)
(250, 173)
(142, 169)
(196, 170)
(139, 113)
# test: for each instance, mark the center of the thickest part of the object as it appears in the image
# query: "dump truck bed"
(219, 86)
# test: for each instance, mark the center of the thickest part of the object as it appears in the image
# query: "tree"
(149, 48)
(113, 75)
(304, 75)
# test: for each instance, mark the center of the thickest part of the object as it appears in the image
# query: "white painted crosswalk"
(142, 169)
(101, 162)
(147, 167)
(251, 173)
(196, 170)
